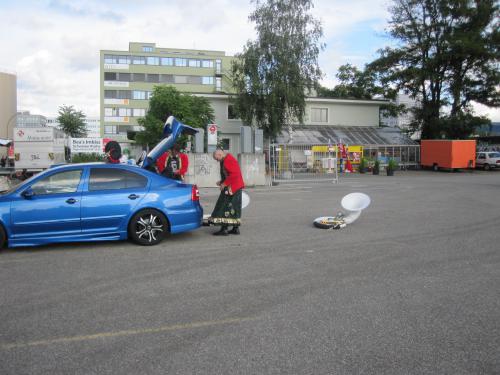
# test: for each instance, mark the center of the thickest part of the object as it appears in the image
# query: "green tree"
(362, 84)
(274, 73)
(72, 122)
(168, 101)
(447, 58)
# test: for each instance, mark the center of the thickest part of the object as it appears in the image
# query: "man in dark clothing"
(173, 164)
(227, 210)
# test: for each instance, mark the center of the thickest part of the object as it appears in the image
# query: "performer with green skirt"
(227, 211)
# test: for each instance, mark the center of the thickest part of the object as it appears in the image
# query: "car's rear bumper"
(187, 219)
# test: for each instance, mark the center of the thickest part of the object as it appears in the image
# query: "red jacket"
(183, 167)
(232, 170)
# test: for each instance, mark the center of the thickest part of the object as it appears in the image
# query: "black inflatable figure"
(113, 152)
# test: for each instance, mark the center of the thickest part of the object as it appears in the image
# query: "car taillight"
(195, 193)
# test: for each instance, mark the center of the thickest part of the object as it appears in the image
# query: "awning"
(351, 135)
(5, 142)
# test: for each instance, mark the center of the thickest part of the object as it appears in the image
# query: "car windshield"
(494, 155)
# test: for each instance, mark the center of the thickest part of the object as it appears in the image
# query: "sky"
(53, 45)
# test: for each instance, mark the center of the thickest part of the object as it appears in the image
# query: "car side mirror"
(28, 193)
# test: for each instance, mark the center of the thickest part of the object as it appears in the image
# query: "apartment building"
(128, 77)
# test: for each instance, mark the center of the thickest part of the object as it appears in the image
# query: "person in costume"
(227, 211)
(173, 164)
(113, 152)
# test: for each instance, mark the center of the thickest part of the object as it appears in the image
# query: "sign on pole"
(211, 137)
(86, 145)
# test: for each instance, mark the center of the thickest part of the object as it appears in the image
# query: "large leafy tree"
(447, 58)
(274, 73)
(72, 122)
(168, 101)
(354, 83)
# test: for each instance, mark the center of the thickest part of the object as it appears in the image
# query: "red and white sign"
(212, 134)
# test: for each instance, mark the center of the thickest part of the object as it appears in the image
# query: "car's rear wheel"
(148, 227)
(486, 167)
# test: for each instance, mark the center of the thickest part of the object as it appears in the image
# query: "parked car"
(487, 160)
(100, 202)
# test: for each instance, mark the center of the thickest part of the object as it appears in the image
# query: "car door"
(112, 193)
(50, 206)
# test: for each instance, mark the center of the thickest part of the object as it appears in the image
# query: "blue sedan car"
(100, 202)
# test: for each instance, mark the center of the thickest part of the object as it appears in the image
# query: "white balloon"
(245, 199)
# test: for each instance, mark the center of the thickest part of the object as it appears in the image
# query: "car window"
(58, 183)
(495, 155)
(482, 156)
(113, 179)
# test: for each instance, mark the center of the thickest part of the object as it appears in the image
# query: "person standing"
(227, 211)
(113, 152)
(173, 164)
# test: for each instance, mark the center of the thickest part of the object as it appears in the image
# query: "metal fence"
(311, 162)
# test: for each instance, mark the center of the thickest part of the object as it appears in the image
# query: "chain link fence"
(323, 162)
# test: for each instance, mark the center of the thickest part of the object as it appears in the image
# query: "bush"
(363, 165)
(392, 164)
(87, 158)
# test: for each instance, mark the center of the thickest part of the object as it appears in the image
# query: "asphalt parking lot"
(412, 287)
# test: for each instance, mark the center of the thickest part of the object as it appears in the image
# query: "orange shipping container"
(450, 154)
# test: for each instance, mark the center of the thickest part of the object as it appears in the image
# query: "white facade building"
(403, 120)
(92, 125)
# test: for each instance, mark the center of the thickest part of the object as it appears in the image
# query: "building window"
(194, 63)
(232, 114)
(218, 66)
(154, 78)
(139, 112)
(218, 83)
(124, 112)
(109, 59)
(166, 78)
(149, 95)
(124, 94)
(147, 49)
(110, 129)
(151, 60)
(207, 64)
(109, 94)
(180, 62)
(180, 79)
(139, 95)
(108, 112)
(138, 60)
(167, 61)
(124, 77)
(319, 114)
(225, 143)
(207, 80)
(109, 76)
(123, 60)
(138, 77)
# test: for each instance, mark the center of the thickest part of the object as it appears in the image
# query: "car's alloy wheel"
(486, 167)
(148, 227)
